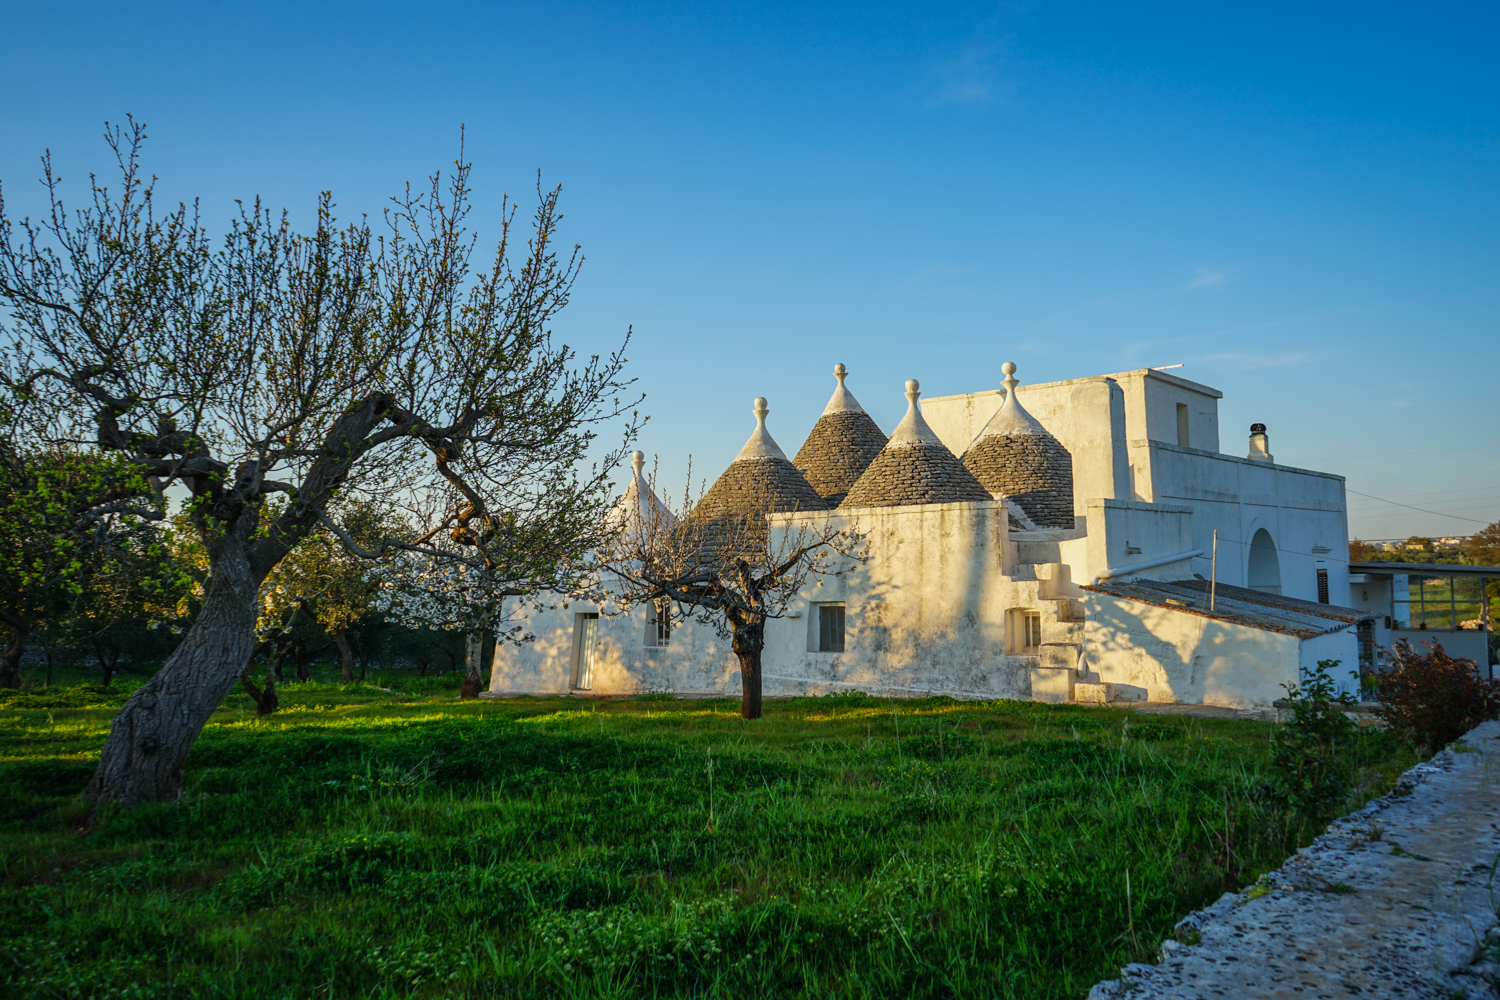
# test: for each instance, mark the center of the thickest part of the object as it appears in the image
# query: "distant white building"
(1079, 540)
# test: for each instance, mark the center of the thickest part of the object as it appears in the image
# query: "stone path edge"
(1141, 980)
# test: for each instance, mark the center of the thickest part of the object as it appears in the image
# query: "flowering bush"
(1432, 697)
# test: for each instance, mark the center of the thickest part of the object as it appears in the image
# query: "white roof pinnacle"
(843, 400)
(1012, 420)
(760, 445)
(913, 429)
(639, 508)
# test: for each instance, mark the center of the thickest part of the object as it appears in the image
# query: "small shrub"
(1434, 698)
(1309, 774)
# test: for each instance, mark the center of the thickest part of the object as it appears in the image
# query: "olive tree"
(343, 362)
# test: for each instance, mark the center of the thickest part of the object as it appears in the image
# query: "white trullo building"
(1050, 542)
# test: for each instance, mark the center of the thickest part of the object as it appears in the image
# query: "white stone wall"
(1149, 653)
(925, 613)
(695, 661)
(1304, 512)
(1343, 646)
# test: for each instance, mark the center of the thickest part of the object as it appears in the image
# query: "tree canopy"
(351, 362)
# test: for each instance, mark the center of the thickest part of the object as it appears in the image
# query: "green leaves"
(1310, 771)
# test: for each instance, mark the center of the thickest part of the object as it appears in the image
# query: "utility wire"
(1420, 510)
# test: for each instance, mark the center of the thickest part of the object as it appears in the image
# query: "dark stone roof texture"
(729, 521)
(913, 473)
(758, 486)
(1034, 471)
(838, 451)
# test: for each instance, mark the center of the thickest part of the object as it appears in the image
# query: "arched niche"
(1264, 571)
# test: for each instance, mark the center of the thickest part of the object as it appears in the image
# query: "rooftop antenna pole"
(1213, 572)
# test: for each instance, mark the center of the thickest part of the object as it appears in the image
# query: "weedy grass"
(375, 841)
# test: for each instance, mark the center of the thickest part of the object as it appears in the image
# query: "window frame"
(1024, 624)
(817, 632)
(656, 625)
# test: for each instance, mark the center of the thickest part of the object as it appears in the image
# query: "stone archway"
(1264, 571)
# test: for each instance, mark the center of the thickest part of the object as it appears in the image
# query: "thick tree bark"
(749, 639)
(346, 655)
(299, 659)
(474, 646)
(10, 658)
(149, 740)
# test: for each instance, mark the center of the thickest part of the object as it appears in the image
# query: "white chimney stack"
(1260, 445)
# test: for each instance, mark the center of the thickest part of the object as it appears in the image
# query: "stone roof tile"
(914, 467)
(1015, 457)
(841, 446)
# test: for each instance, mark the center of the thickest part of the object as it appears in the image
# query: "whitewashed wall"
(1122, 433)
(926, 613)
(696, 661)
(1151, 653)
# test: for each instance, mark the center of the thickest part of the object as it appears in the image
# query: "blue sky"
(1297, 202)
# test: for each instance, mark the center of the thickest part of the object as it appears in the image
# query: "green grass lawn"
(369, 843)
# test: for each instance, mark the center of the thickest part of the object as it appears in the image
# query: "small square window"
(830, 628)
(1026, 632)
(659, 627)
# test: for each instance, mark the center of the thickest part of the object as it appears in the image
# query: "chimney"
(1260, 445)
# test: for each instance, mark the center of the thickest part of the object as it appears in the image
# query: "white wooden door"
(585, 642)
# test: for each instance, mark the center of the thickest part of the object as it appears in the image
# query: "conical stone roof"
(1016, 458)
(759, 481)
(841, 446)
(729, 522)
(914, 467)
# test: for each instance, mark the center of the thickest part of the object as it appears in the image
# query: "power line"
(1417, 509)
(1480, 503)
(1366, 512)
(1431, 493)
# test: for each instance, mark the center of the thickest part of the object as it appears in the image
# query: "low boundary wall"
(1396, 900)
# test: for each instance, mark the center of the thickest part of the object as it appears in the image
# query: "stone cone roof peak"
(913, 428)
(1012, 418)
(759, 481)
(914, 467)
(843, 400)
(761, 444)
(639, 506)
(1015, 457)
(841, 446)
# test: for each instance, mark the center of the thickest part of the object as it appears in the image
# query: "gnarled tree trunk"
(148, 743)
(10, 658)
(473, 662)
(748, 641)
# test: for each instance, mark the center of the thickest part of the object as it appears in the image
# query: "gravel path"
(1397, 900)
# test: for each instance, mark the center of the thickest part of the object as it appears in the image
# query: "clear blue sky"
(1297, 201)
